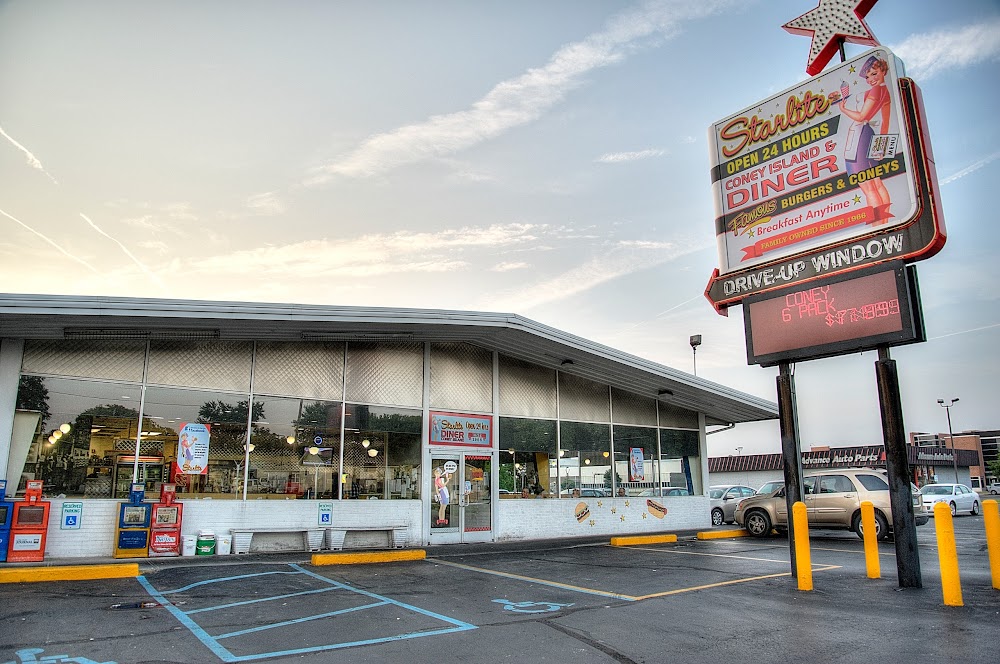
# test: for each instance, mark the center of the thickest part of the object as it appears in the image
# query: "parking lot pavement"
(698, 601)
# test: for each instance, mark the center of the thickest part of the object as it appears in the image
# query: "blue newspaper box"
(6, 510)
(132, 533)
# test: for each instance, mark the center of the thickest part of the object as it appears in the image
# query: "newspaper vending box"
(165, 537)
(132, 533)
(6, 510)
(28, 525)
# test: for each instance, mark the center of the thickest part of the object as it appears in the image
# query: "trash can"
(206, 543)
(224, 545)
(188, 544)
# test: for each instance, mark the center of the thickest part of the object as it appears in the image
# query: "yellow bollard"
(871, 540)
(803, 561)
(951, 584)
(991, 515)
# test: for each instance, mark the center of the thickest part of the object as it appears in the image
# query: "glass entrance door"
(461, 507)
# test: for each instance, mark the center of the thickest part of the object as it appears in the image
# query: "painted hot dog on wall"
(656, 509)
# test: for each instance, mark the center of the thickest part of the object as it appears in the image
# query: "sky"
(548, 159)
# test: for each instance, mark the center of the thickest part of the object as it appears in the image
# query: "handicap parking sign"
(326, 514)
(72, 513)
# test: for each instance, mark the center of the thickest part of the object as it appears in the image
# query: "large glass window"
(82, 438)
(585, 462)
(381, 452)
(680, 460)
(528, 457)
(295, 448)
(203, 436)
(635, 459)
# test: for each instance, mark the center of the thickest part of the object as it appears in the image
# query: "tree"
(33, 395)
(607, 478)
(220, 411)
(993, 469)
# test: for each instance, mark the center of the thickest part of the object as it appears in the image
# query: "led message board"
(852, 312)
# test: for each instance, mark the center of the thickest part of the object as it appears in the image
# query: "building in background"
(927, 463)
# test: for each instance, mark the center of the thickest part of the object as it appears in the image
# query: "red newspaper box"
(165, 538)
(28, 526)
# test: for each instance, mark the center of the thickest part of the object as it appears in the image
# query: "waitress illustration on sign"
(441, 490)
(870, 120)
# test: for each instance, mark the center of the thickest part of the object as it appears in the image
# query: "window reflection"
(381, 452)
(528, 466)
(82, 442)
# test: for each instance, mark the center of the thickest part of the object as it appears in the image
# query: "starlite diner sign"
(460, 429)
(822, 163)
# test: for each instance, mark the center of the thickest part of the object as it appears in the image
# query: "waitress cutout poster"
(192, 448)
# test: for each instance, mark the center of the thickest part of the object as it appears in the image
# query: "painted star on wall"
(830, 23)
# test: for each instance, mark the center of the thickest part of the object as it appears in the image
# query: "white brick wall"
(517, 520)
(546, 519)
(95, 537)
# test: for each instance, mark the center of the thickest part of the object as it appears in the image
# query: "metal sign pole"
(790, 453)
(900, 497)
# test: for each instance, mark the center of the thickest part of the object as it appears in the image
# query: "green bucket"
(205, 546)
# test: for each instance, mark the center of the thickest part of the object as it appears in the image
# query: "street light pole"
(739, 453)
(951, 436)
(695, 342)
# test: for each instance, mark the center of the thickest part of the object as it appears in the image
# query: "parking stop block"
(367, 557)
(69, 573)
(643, 539)
(721, 534)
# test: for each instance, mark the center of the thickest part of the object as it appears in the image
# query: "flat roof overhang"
(88, 317)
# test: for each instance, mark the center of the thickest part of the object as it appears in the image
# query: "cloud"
(623, 259)
(140, 264)
(51, 242)
(516, 101)
(507, 267)
(927, 55)
(32, 159)
(374, 254)
(619, 157)
(267, 203)
(969, 169)
(155, 245)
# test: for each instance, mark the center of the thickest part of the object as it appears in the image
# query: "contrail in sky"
(975, 329)
(32, 159)
(128, 253)
(63, 251)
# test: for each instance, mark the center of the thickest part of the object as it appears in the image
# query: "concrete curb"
(643, 539)
(69, 573)
(721, 534)
(368, 557)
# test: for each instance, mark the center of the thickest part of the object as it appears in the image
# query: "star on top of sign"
(832, 22)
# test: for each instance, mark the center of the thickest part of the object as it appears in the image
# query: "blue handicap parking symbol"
(531, 607)
(71, 520)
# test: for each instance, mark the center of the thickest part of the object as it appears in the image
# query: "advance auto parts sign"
(800, 197)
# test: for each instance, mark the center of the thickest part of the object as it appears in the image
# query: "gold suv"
(833, 500)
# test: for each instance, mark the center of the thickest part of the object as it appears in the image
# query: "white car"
(958, 496)
(994, 488)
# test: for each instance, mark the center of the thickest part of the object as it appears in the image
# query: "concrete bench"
(335, 534)
(312, 538)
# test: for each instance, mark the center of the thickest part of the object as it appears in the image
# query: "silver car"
(959, 497)
(724, 499)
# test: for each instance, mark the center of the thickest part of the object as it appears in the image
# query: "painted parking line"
(638, 598)
(531, 579)
(213, 642)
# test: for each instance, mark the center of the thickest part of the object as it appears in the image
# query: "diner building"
(449, 426)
